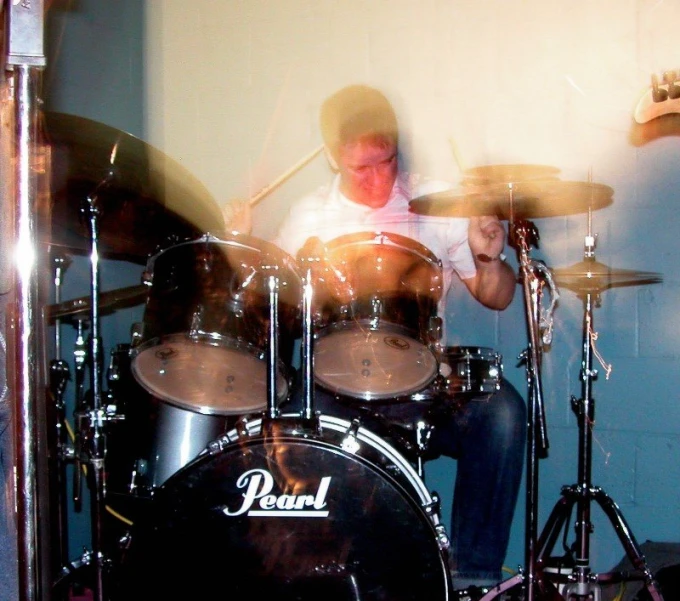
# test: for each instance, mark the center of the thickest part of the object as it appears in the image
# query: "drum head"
(213, 379)
(372, 365)
(286, 518)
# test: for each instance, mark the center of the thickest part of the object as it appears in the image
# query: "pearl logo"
(258, 500)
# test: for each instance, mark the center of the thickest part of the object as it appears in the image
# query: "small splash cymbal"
(526, 200)
(592, 276)
(115, 299)
(505, 174)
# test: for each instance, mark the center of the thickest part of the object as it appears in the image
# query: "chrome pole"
(25, 60)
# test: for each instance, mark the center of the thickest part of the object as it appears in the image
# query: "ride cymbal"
(525, 200)
(144, 199)
(115, 299)
(592, 276)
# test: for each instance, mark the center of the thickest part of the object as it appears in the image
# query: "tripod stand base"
(579, 582)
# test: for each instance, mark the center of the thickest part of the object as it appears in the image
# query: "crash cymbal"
(525, 200)
(115, 299)
(144, 198)
(591, 276)
(505, 174)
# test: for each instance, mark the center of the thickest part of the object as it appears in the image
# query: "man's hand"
(494, 283)
(238, 217)
(486, 236)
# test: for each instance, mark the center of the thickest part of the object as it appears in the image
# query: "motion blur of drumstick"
(253, 200)
(237, 214)
(457, 156)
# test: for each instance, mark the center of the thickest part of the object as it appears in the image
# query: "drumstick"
(284, 176)
(456, 155)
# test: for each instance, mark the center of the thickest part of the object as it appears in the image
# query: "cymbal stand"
(582, 583)
(273, 348)
(59, 376)
(523, 235)
(80, 360)
(93, 418)
(307, 337)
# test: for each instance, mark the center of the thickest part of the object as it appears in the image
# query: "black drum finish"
(375, 310)
(207, 322)
(302, 513)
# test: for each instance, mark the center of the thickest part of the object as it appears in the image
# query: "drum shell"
(218, 287)
(155, 438)
(470, 370)
(377, 279)
(372, 533)
(204, 341)
(376, 316)
(179, 436)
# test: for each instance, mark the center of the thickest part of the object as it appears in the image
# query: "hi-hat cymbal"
(592, 276)
(505, 174)
(524, 200)
(115, 299)
(143, 197)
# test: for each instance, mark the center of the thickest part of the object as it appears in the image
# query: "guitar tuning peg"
(670, 78)
(658, 94)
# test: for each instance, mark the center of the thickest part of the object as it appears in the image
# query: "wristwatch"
(487, 259)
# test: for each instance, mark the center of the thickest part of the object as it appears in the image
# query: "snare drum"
(470, 370)
(374, 316)
(203, 342)
(292, 509)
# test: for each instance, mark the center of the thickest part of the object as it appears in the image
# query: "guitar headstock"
(662, 98)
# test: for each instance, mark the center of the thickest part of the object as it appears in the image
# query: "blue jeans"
(486, 435)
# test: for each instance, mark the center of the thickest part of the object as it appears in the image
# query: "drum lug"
(443, 539)
(217, 446)
(434, 330)
(432, 510)
(350, 442)
(241, 427)
(376, 311)
(136, 333)
(139, 469)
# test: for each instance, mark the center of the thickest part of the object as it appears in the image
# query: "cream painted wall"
(235, 86)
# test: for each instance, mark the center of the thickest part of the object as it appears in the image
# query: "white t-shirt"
(328, 214)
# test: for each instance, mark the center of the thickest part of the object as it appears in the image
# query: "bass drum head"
(290, 517)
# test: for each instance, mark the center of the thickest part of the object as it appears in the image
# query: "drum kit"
(229, 491)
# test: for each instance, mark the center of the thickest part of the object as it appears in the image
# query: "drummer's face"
(368, 169)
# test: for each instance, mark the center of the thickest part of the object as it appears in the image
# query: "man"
(371, 194)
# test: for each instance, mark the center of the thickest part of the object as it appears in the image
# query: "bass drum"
(291, 509)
